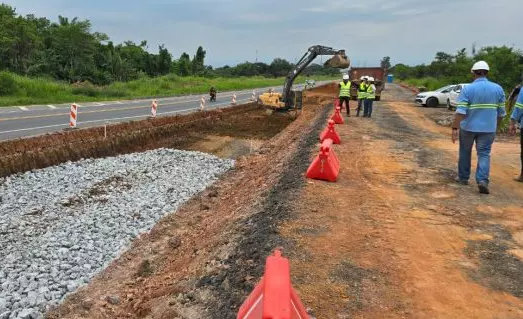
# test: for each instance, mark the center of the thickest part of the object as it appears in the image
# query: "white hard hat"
(371, 78)
(480, 65)
(345, 76)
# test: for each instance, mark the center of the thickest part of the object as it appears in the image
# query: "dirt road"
(393, 238)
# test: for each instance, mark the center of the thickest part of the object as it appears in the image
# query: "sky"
(235, 31)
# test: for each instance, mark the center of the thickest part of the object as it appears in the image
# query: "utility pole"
(256, 56)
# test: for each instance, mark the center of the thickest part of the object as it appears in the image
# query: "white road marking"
(99, 104)
(119, 102)
(51, 106)
(110, 119)
(23, 108)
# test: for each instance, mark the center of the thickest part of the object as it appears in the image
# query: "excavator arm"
(338, 61)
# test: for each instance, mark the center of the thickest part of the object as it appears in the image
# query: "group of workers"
(480, 109)
(366, 95)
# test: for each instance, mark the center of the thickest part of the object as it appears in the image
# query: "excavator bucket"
(338, 61)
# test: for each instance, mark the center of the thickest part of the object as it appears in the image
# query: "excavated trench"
(227, 133)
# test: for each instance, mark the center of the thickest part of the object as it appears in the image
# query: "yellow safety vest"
(371, 93)
(345, 89)
(362, 91)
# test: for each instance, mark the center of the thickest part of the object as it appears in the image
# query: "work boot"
(461, 181)
(483, 188)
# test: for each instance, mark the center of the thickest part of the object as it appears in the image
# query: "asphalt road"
(26, 121)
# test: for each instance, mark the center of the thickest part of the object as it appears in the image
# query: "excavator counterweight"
(288, 98)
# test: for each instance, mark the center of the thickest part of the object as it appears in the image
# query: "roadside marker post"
(154, 106)
(202, 103)
(73, 115)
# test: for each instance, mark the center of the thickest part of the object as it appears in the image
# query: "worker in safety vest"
(344, 93)
(362, 93)
(369, 98)
(517, 117)
(480, 109)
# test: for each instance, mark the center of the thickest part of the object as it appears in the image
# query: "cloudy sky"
(233, 31)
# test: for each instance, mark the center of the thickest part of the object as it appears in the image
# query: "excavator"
(290, 99)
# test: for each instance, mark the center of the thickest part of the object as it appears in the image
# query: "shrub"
(7, 84)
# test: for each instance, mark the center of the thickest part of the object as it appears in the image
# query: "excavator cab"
(291, 99)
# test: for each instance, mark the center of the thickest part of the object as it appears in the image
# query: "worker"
(362, 93)
(517, 117)
(480, 109)
(344, 93)
(369, 98)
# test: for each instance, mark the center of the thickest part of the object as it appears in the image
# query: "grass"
(25, 91)
(429, 83)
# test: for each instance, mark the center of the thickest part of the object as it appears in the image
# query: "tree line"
(506, 66)
(69, 50)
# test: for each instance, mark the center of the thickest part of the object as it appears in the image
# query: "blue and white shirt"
(517, 112)
(482, 102)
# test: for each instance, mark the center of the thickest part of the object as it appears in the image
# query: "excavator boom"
(286, 100)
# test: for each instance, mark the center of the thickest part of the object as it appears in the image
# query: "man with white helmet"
(362, 93)
(480, 109)
(369, 98)
(344, 93)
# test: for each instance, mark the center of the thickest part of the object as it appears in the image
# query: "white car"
(453, 95)
(434, 98)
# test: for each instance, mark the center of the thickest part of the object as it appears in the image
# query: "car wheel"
(432, 102)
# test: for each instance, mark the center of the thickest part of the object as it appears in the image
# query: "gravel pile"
(61, 225)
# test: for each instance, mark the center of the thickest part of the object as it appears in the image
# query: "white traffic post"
(253, 97)
(73, 115)
(202, 103)
(234, 99)
(154, 107)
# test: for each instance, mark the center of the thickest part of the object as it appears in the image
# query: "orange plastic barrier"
(336, 117)
(330, 132)
(326, 165)
(274, 297)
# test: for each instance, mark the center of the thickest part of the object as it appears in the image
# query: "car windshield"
(444, 88)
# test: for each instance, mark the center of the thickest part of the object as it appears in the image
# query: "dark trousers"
(522, 151)
(361, 103)
(367, 107)
(346, 99)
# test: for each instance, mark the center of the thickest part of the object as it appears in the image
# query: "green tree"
(385, 63)
(280, 67)
(184, 65)
(198, 62)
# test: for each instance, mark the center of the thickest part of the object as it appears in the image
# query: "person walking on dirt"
(369, 98)
(480, 109)
(517, 117)
(344, 93)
